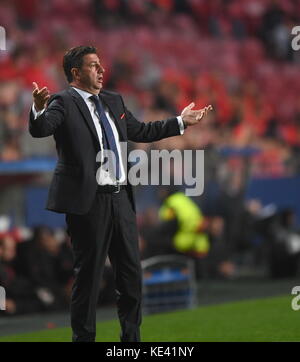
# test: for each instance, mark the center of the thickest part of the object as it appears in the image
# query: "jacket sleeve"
(48, 122)
(152, 131)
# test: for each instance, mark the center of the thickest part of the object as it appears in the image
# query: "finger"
(205, 110)
(42, 90)
(199, 116)
(35, 89)
(35, 86)
(191, 105)
(43, 93)
(208, 108)
(197, 111)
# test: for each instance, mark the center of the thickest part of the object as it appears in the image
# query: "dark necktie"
(109, 141)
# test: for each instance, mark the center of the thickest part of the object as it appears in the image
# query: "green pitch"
(270, 319)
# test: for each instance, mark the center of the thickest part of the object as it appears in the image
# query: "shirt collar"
(85, 95)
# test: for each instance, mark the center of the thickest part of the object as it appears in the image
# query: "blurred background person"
(48, 263)
(21, 296)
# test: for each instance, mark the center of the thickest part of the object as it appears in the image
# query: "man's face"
(90, 76)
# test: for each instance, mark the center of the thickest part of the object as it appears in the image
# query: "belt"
(110, 189)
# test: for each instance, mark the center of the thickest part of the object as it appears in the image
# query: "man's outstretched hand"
(40, 97)
(191, 117)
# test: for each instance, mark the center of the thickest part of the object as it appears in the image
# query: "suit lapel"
(112, 105)
(84, 111)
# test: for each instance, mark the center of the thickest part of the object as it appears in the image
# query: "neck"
(81, 87)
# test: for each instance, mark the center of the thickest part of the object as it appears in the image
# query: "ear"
(75, 73)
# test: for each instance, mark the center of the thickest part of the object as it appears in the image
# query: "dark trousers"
(109, 228)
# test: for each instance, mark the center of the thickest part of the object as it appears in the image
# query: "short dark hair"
(74, 59)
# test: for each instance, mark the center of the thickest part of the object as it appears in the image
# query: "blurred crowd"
(161, 55)
(242, 240)
(36, 271)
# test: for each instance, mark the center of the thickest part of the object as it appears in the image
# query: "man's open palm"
(192, 117)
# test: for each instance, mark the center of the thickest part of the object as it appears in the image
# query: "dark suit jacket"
(68, 119)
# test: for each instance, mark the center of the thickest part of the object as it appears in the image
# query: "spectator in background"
(11, 150)
(27, 12)
(48, 264)
(218, 263)
(180, 228)
(110, 13)
(190, 235)
(285, 245)
(21, 295)
(275, 31)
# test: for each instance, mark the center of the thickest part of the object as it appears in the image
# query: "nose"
(101, 69)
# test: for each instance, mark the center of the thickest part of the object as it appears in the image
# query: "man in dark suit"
(100, 213)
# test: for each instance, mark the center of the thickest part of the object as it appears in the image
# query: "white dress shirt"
(105, 178)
